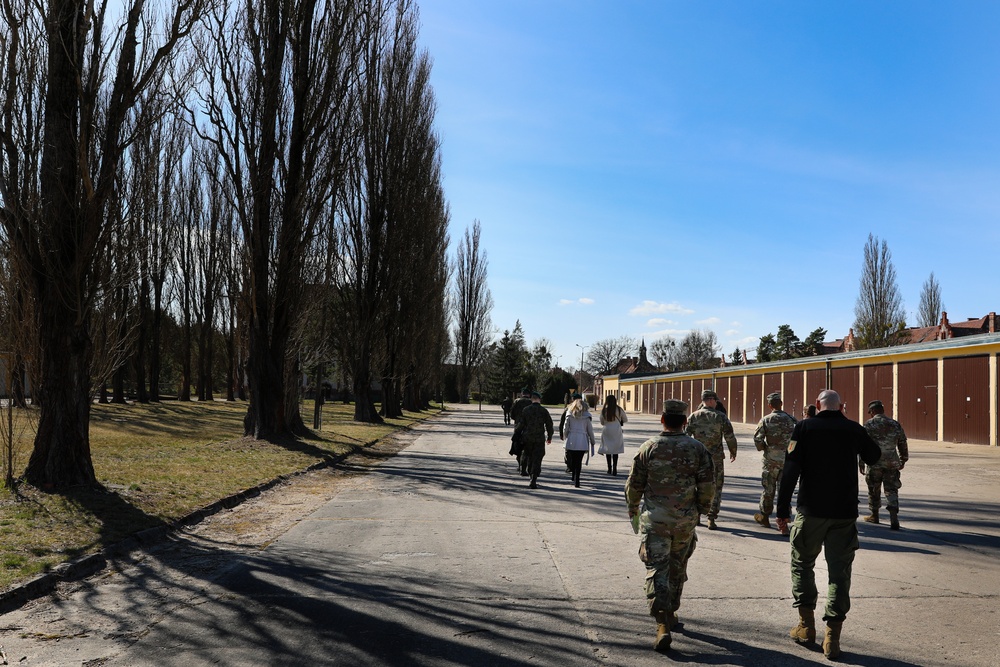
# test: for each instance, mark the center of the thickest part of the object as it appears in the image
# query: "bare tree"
(103, 83)
(879, 316)
(278, 98)
(929, 311)
(473, 305)
(663, 351)
(604, 355)
(698, 350)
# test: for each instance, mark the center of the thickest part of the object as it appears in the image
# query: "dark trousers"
(612, 463)
(575, 462)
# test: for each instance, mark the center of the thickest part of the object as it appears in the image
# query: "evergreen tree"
(767, 349)
(787, 345)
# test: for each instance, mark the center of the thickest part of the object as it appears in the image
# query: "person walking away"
(822, 459)
(506, 404)
(535, 429)
(515, 413)
(771, 437)
(613, 420)
(709, 427)
(885, 473)
(579, 433)
(670, 485)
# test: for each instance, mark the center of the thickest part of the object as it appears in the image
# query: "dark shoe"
(524, 473)
(576, 483)
(894, 518)
(711, 524)
(533, 485)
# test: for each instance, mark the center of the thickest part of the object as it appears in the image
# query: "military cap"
(709, 393)
(525, 392)
(673, 406)
(536, 394)
(774, 396)
(875, 405)
(576, 395)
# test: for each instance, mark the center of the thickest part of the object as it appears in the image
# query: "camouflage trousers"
(666, 558)
(718, 463)
(878, 478)
(531, 458)
(769, 479)
(838, 539)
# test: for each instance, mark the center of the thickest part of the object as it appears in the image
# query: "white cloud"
(655, 308)
(660, 322)
(565, 302)
(585, 301)
(736, 325)
(709, 322)
(676, 333)
(733, 332)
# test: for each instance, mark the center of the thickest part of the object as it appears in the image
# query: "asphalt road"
(443, 556)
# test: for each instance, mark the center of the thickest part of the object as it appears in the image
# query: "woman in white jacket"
(613, 418)
(579, 433)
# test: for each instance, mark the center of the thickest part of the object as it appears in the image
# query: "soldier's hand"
(733, 457)
(902, 463)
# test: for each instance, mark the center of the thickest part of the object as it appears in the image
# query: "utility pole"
(582, 348)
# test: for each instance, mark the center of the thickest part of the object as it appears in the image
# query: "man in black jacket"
(823, 459)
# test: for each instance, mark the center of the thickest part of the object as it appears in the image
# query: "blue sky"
(649, 167)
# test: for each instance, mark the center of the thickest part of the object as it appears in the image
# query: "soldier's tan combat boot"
(762, 519)
(805, 631)
(831, 643)
(894, 518)
(873, 517)
(711, 524)
(662, 642)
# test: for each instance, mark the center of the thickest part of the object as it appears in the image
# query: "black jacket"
(823, 458)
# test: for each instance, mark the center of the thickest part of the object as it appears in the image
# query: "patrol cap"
(525, 392)
(673, 406)
(709, 393)
(875, 405)
(536, 394)
(576, 395)
(774, 397)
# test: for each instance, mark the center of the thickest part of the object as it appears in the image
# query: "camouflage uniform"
(673, 477)
(709, 427)
(515, 414)
(885, 472)
(771, 437)
(534, 427)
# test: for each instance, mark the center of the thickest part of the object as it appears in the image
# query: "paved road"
(442, 556)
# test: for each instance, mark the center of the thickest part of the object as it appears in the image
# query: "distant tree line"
(213, 199)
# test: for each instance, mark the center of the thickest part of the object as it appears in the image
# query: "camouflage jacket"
(520, 404)
(709, 427)
(534, 425)
(673, 477)
(890, 437)
(772, 435)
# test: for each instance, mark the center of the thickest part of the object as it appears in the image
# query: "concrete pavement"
(443, 556)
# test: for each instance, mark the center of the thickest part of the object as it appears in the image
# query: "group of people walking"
(675, 479)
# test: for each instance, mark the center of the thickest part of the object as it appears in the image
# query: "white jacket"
(612, 437)
(579, 430)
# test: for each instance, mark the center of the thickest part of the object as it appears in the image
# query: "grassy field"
(158, 462)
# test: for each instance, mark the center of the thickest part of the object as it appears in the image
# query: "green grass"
(159, 462)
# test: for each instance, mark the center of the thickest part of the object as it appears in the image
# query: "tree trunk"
(364, 406)
(19, 372)
(139, 360)
(61, 455)
(156, 327)
(318, 404)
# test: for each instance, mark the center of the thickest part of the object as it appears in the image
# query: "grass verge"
(160, 462)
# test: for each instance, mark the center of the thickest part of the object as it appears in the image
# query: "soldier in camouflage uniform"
(709, 426)
(885, 473)
(771, 437)
(535, 429)
(671, 484)
(515, 414)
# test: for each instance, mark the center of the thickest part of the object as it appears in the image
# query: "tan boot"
(831, 643)
(805, 631)
(711, 524)
(873, 517)
(662, 642)
(894, 518)
(762, 519)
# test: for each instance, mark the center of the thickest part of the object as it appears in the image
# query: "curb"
(83, 567)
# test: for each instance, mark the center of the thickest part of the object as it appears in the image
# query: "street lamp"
(582, 348)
